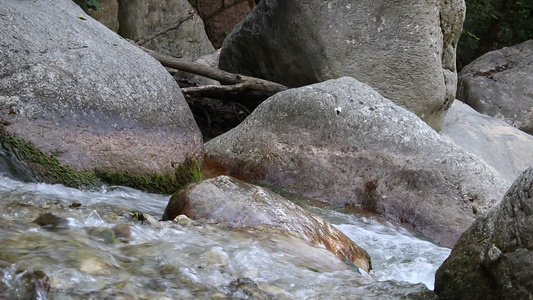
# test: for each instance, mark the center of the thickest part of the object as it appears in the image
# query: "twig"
(234, 86)
(165, 29)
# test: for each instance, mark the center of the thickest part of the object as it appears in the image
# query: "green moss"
(186, 172)
(369, 258)
(46, 167)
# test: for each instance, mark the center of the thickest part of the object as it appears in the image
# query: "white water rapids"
(192, 260)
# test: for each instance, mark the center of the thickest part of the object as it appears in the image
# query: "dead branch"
(165, 29)
(235, 87)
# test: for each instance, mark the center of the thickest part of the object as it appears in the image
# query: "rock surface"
(341, 142)
(494, 258)
(403, 49)
(230, 202)
(502, 146)
(221, 17)
(107, 14)
(498, 84)
(140, 18)
(78, 92)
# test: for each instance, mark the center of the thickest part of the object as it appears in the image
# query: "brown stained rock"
(221, 17)
(230, 202)
(498, 84)
(342, 143)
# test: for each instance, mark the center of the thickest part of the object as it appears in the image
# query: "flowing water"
(102, 249)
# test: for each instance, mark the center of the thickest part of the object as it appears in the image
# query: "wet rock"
(94, 266)
(246, 288)
(230, 202)
(147, 219)
(404, 49)
(493, 259)
(341, 142)
(214, 257)
(122, 232)
(51, 221)
(106, 235)
(29, 284)
(75, 205)
(504, 147)
(498, 84)
(182, 220)
(75, 94)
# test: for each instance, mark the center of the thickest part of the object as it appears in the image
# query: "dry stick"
(166, 29)
(238, 83)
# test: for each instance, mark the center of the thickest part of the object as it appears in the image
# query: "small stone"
(214, 256)
(106, 235)
(182, 220)
(93, 266)
(49, 220)
(75, 204)
(122, 232)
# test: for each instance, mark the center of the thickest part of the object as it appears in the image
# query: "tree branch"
(234, 87)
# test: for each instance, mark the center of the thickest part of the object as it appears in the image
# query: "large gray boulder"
(140, 18)
(86, 98)
(341, 142)
(494, 258)
(403, 49)
(232, 203)
(499, 84)
(505, 148)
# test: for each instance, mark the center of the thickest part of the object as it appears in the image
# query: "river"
(104, 251)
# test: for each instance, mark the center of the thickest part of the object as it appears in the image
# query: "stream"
(105, 248)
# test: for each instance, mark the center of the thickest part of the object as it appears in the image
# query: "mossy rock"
(48, 168)
(44, 167)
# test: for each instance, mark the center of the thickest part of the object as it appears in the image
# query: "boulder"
(140, 18)
(403, 49)
(221, 17)
(502, 146)
(232, 203)
(498, 84)
(75, 97)
(341, 142)
(493, 259)
(107, 14)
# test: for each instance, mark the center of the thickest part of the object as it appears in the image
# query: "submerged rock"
(246, 288)
(403, 49)
(493, 259)
(75, 98)
(230, 202)
(49, 220)
(504, 147)
(341, 142)
(498, 84)
(25, 284)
